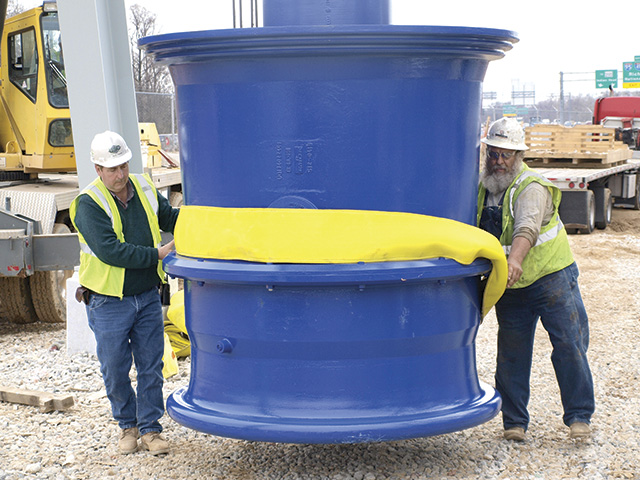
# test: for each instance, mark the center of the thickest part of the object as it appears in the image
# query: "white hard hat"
(506, 133)
(108, 149)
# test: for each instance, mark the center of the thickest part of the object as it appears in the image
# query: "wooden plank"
(47, 402)
(569, 163)
(582, 133)
(166, 177)
(604, 157)
(571, 141)
(571, 147)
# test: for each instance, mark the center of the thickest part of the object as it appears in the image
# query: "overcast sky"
(573, 36)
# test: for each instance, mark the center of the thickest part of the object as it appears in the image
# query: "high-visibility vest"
(94, 274)
(552, 252)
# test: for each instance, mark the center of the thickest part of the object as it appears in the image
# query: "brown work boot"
(154, 442)
(128, 442)
(514, 433)
(579, 430)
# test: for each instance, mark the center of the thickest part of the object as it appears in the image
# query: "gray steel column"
(100, 81)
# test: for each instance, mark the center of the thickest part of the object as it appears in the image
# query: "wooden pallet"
(583, 146)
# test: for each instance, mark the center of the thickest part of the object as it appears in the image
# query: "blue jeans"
(126, 330)
(554, 299)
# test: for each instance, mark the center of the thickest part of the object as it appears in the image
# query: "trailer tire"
(15, 297)
(578, 211)
(636, 199)
(49, 290)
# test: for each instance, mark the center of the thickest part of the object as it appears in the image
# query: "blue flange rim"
(361, 40)
(358, 430)
(250, 273)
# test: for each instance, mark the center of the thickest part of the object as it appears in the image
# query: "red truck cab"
(621, 113)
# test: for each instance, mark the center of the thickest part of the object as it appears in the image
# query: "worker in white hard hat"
(520, 207)
(118, 218)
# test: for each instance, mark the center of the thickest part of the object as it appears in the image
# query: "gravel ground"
(80, 443)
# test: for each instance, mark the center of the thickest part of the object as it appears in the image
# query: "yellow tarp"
(283, 235)
(175, 328)
(169, 360)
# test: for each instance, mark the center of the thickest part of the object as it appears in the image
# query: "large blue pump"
(329, 106)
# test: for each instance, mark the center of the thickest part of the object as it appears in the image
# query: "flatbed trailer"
(589, 194)
(38, 246)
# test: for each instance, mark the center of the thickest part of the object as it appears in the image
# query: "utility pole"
(562, 82)
(561, 98)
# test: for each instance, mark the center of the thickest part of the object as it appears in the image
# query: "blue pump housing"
(331, 109)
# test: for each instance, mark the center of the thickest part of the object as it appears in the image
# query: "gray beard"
(499, 183)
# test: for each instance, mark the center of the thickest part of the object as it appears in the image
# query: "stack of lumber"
(582, 146)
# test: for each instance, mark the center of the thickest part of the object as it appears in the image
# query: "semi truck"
(38, 247)
(593, 168)
(589, 195)
(621, 113)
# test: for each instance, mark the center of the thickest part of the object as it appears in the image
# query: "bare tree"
(152, 82)
(14, 7)
(576, 108)
(147, 76)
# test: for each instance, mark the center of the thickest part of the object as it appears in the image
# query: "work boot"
(514, 433)
(580, 430)
(154, 443)
(128, 442)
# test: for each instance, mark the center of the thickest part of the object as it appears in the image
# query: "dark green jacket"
(137, 254)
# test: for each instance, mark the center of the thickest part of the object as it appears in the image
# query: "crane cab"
(35, 125)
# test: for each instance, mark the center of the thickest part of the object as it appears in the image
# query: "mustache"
(498, 181)
(490, 167)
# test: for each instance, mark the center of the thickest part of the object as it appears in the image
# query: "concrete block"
(79, 336)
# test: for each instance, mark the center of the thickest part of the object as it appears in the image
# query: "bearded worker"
(520, 207)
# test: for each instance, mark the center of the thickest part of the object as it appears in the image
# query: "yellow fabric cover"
(169, 360)
(175, 328)
(285, 235)
(175, 312)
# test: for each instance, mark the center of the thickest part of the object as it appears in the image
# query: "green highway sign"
(606, 78)
(513, 110)
(508, 111)
(631, 75)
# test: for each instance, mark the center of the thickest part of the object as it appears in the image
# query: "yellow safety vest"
(552, 252)
(95, 274)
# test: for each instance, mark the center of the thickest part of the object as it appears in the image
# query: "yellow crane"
(38, 181)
